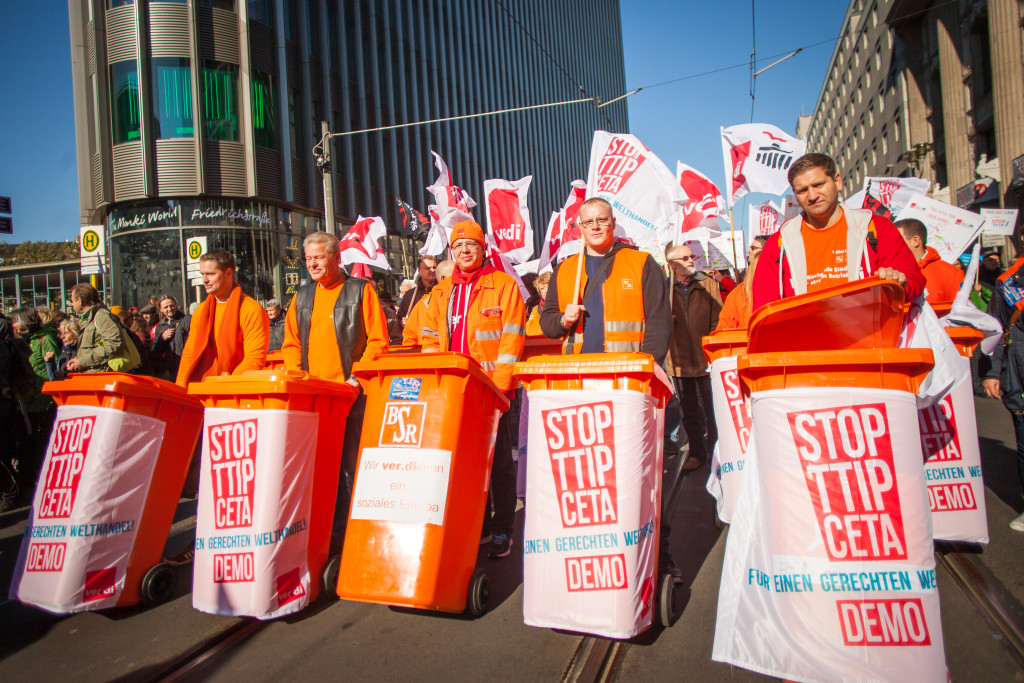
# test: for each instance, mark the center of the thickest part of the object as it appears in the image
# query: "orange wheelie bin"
(271, 459)
(421, 483)
(107, 491)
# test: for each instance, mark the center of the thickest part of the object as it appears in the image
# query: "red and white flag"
(505, 265)
(765, 219)
(564, 233)
(757, 157)
(883, 195)
(451, 205)
(361, 247)
(645, 195)
(508, 218)
(705, 204)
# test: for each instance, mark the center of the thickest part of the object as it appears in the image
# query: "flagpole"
(576, 294)
(732, 238)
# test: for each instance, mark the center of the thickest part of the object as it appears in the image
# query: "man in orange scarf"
(332, 323)
(229, 332)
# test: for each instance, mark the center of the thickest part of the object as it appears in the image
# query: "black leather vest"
(348, 321)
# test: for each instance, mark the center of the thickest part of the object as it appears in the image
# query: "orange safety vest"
(495, 325)
(623, 296)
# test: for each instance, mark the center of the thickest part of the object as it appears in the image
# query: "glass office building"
(199, 117)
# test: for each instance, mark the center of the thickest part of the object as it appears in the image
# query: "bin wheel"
(158, 584)
(479, 593)
(330, 577)
(667, 601)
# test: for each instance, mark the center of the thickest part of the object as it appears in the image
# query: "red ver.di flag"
(563, 238)
(645, 195)
(757, 158)
(361, 244)
(508, 218)
(86, 510)
(705, 203)
(252, 521)
(829, 568)
(591, 531)
(451, 205)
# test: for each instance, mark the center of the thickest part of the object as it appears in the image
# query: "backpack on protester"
(128, 358)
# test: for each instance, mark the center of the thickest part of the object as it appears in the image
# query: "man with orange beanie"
(479, 311)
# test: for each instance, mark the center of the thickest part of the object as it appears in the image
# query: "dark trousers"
(1018, 430)
(502, 496)
(349, 458)
(698, 416)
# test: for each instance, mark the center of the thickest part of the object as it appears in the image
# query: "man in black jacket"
(427, 278)
(164, 359)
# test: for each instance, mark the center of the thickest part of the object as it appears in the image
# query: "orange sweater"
(253, 336)
(941, 279)
(736, 310)
(324, 357)
(414, 322)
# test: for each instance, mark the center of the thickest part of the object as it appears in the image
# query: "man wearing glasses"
(479, 311)
(621, 306)
(696, 303)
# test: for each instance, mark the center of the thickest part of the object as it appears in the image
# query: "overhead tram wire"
(554, 61)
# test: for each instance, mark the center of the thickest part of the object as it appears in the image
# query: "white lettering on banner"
(46, 557)
(946, 497)
(69, 447)
(738, 407)
(939, 438)
(600, 573)
(847, 461)
(402, 485)
(403, 423)
(883, 622)
(232, 567)
(618, 164)
(232, 448)
(100, 584)
(581, 445)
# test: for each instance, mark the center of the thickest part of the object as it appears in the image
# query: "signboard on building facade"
(194, 248)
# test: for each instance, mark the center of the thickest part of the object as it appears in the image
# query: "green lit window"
(124, 102)
(220, 100)
(172, 98)
(264, 110)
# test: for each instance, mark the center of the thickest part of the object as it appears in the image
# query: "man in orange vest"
(624, 306)
(480, 312)
(942, 280)
(333, 322)
(228, 333)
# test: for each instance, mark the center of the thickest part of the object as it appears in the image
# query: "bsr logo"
(403, 424)
(232, 450)
(71, 440)
(581, 444)
(846, 455)
(45, 557)
(601, 573)
(233, 567)
(738, 407)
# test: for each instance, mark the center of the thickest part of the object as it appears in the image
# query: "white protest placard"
(950, 229)
(402, 485)
(724, 247)
(194, 248)
(999, 221)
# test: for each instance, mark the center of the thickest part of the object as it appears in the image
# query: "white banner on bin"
(87, 506)
(591, 532)
(732, 417)
(402, 485)
(829, 570)
(956, 491)
(255, 495)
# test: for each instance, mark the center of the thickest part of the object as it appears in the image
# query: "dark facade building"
(199, 117)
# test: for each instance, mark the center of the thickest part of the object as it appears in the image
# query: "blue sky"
(663, 40)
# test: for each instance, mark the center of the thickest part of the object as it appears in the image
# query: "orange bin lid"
(594, 371)
(440, 363)
(966, 339)
(268, 383)
(723, 343)
(941, 309)
(401, 348)
(864, 314)
(275, 359)
(887, 368)
(96, 383)
(541, 345)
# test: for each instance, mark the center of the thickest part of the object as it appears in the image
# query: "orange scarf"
(218, 355)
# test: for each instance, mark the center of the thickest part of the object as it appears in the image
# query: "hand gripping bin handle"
(421, 481)
(153, 401)
(299, 398)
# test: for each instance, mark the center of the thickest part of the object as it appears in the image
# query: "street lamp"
(916, 154)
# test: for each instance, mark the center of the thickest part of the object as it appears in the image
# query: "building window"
(262, 11)
(312, 28)
(291, 21)
(228, 5)
(114, 4)
(220, 100)
(172, 97)
(180, 2)
(264, 110)
(293, 121)
(124, 102)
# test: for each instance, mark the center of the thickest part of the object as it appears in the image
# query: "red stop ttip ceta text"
(232, 452)
(581, 445)
(738, 407)
(846, 455)
(939, 438)
(70, 445)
